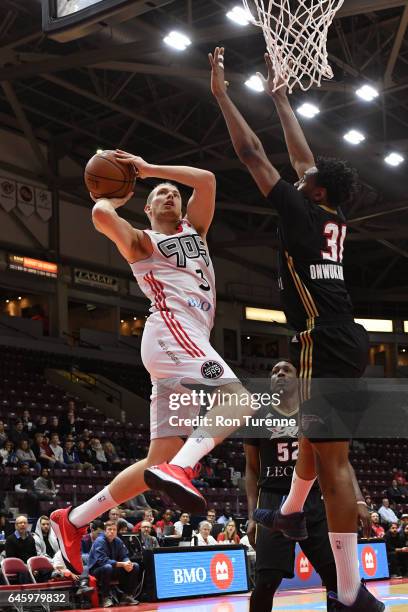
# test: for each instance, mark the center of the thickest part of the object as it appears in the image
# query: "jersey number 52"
(288, 451)
(335, 236)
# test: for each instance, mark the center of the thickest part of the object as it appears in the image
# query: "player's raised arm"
(132, 243)
(246, 143)
(301, 157)
(200, 208)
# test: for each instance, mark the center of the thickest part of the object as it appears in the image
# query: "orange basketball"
(105, 177)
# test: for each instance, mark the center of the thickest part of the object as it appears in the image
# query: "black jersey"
(278, 453)
(311, 278)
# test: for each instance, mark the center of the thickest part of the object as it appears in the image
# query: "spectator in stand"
(17, 434)
(24, 454)
(207, 471)
(46, 543)
(86, 436)
(111, 455)
(403, 487)
(123, 527)
(24, 488)
(203, 538)
(377, 531)
(109, 560)
(45, 486)
(184, 519)
(84, 455)
(55, 427)
(28, 423)
(230, 534)
(96, 528)
(396, 493)
(404, 523)
(394, 544)
(225, 515)
(386, 513)
(404, 551)
(98, 454)
(57, 450)
(3, 434)
(369, 503)
(165, 521)
(42, 451)
(147, 516)
(69, 423)
(8, 455)
(136, 505)
(6, 527)
(399, 474)
(146, 536)
(211, 517)
(21, 545)
(70, 455)
(43, 427)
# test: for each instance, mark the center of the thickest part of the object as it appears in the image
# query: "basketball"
(105, 177)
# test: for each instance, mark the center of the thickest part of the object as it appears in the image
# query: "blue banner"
(373, 564)
(196, 572)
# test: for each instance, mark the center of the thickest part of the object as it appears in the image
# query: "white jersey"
(178, 278)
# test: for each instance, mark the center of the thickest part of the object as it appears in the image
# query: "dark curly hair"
(338, 178)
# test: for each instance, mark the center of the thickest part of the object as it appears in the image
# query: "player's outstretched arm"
(252, 470)
(301, 157)
(246, 143)
(200, 208)
(132, 243)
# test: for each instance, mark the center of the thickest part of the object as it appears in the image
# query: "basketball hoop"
(295, 33)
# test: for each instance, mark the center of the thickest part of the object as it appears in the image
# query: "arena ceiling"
(121, 87)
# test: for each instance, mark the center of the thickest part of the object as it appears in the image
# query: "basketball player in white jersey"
(172, 266)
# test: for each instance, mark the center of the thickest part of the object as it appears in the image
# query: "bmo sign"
(200, 571)
(373, 565)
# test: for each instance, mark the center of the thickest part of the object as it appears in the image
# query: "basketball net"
(295, 33)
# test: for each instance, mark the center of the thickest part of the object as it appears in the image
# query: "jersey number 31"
(335, 237)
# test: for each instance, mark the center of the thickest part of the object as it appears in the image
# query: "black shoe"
(365, 602)
(293, 526)
(128, 600)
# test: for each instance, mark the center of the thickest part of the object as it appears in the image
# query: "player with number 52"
(327, 343)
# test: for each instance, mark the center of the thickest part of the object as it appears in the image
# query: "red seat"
(11, 567)
(36, 564)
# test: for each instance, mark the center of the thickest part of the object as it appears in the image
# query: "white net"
(295, 33)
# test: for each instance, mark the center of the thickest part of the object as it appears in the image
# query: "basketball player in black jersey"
(327, 343)
(270, 462)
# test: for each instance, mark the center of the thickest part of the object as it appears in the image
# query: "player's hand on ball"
(142, 167)
(251, 533)
(115, 202)
(218, 84)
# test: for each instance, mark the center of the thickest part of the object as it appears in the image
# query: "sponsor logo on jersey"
(182, 248)
(369, 560)
(168, 352)
(304, 569)
(200, 304)
(222, 571)
(212, 369)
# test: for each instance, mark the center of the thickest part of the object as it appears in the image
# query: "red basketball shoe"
(175, 481)
(69, 539)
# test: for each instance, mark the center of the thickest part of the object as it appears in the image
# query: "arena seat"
(37, 564)
(11, 567)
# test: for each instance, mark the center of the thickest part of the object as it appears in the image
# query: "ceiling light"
(254, 83)
(99, 151)
(248, 337)
(122, 321)
(19, 297)
(367, 93)
(376, 325)
(7, 301)
(177, 40)
(135, 318)
(308, 110)
(406, 327)
(394, 159)
(239, 15)
(354, 137)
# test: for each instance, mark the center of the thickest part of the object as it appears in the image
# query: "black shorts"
(330, 359)
(275, 552)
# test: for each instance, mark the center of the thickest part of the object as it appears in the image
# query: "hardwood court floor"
(394, 593)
